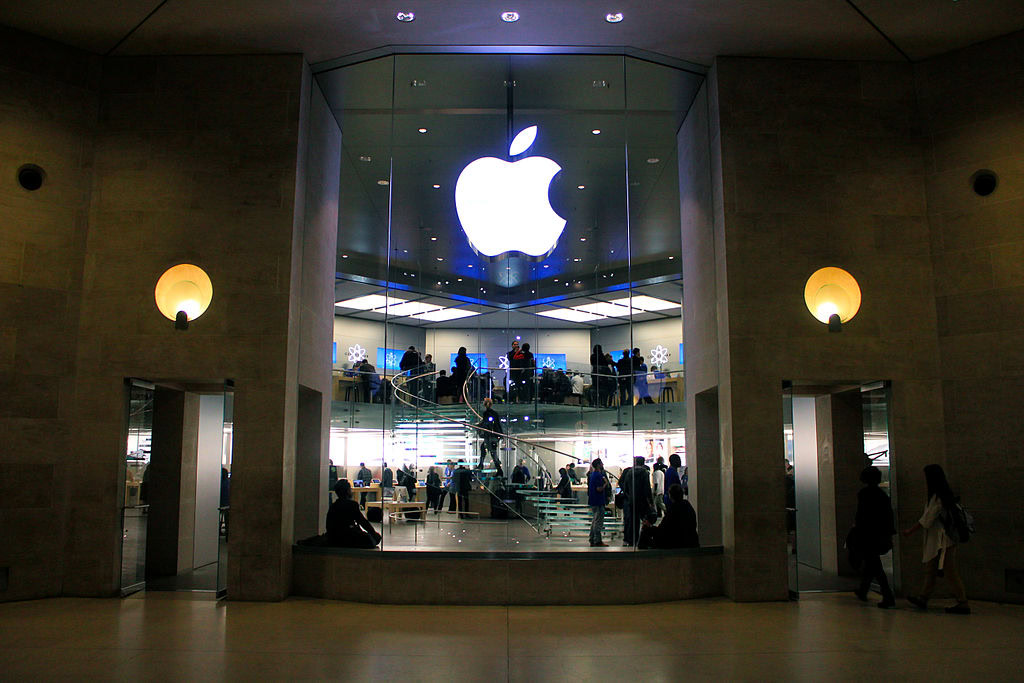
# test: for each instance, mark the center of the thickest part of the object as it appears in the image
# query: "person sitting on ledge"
(679, 527)
(346, 525)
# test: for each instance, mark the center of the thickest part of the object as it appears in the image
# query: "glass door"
(787, 435)
(224, 509)
(134, 508)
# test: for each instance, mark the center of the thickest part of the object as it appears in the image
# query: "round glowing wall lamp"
(183, 293)
(832, 296)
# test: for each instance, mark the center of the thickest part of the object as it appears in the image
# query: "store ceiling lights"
(613, 17)
(646, 303)
(400, 308)
(570, 315)
(405, 17)
(510, 17)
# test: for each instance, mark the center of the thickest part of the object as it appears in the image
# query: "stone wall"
(48, 104)
(972, 110)
(822, 164)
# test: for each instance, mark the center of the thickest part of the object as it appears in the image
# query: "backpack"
(958, 522)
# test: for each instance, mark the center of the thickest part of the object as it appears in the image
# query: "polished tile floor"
(175, 636)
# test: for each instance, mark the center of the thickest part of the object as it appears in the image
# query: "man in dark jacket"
(872, 535)
(624, 366)
(636, 486)
(490, 431)
(463, 479)
(409, 365)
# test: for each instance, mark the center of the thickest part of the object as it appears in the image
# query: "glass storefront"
(509, 294)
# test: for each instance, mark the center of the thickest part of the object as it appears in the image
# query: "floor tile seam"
(719, 653)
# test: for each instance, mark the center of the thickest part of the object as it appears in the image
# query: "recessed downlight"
(440, 258)
(433, 239)
(366, 159)
(383, 182)
(583, 239)
(596, 131)
(510, 17)
(581, 187)
(436, 186)
(405, 17)
(653, 160)
(344, 256)
(613, 17)
(421, 131)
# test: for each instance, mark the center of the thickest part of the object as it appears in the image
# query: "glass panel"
(136, 485)
(225, 494)
(536, 298)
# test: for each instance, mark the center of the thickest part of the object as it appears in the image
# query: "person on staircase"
(490, 431)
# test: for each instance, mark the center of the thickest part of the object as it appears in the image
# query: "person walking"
(433, 489)
(597, 498)
(490, 431)
(940, 549)
(636, 485)
(365, 478)
(658, 486)
(873, 536)
(463, 369)
(624, 366)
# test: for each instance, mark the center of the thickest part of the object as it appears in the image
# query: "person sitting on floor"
(346, 525)
(679, 527)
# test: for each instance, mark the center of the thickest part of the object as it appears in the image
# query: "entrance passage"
(832, 432)
(177, 487)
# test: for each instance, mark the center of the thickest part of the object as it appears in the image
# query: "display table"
(397, 506)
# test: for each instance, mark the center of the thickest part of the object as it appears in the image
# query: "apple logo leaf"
(522, 142)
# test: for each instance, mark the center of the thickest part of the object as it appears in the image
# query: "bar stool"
(666, 392)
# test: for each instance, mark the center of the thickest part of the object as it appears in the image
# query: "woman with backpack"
(939, 546)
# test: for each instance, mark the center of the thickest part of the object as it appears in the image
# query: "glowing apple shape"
(503, 206)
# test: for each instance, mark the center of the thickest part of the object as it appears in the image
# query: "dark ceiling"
(694, 30)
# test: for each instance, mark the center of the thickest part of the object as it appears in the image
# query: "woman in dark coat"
(873, 532)
(564, 486)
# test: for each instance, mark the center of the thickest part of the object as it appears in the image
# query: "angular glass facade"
(509, 294)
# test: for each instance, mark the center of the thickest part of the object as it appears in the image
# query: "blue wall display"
(479, 361)
(334, 353)
(555, 361)
(388, 359)
(681, 356)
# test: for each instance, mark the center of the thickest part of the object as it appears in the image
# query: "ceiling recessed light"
(405, 17)
(383, 182)
(670, 258)
(366, 159)
(653, 160)
(596, 131)
(421, 131)
(439, 258)
(460, 279)
(344, 256)
(547, 266)
(581, 187)
(436, 186)
(613, 17)
(405, 251)
(599, 84)
(418, 83)
(583, 239)
(470, 265)
(576, 260)
(510, 17)
(556, 279)
(433, 239)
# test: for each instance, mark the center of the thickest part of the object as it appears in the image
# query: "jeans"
(597, 525)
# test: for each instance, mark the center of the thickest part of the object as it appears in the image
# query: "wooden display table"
(397, 506)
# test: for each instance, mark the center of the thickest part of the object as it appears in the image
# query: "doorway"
(832, 431)
(177, 486)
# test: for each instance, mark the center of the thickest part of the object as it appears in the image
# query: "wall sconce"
(832, 296)
(183, 293)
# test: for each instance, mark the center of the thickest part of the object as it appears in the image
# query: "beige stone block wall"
(822, 163)
(48, 103)
(197, 162)
(972, 104)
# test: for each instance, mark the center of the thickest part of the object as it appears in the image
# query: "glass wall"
(509, 290)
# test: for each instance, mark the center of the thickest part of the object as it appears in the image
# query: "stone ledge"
(507, 578)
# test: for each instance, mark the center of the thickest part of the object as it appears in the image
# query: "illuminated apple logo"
(503, 206)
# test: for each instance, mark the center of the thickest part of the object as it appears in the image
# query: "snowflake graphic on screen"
(391, 361)
(659, 355)
(356, 353)
(548, 362)
(503, 362)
